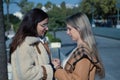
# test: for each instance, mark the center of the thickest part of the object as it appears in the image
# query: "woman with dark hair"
(83, 63)
(30, 58)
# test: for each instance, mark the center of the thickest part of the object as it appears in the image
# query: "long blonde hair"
(81, 23)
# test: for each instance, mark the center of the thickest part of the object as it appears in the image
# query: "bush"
(55, 40)
(52, 39)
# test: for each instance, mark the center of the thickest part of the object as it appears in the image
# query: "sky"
(14, 8)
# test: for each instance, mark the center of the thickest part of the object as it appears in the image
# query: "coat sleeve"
(80, 72)
(24, 66)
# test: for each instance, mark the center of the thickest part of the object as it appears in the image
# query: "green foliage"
(56, 18)
(58, 14)
(48, 5)
(16, 26)
(13, 20)
(39, 5)
(25, 6)
(103, 8)
(52, 38)
(55, 40)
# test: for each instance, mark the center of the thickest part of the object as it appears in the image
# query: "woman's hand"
(56, 62)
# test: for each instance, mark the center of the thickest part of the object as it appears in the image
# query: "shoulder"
(27, 44)
(84, 48)
(82, 54)
(87, 53)
(31, 40)
(25, 49)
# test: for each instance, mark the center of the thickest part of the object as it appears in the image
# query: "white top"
(66, 59)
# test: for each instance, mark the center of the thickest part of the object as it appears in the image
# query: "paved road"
(109, 50)
(110, 53)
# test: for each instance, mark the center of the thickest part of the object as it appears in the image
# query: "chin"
(74, 39)
(42, 36)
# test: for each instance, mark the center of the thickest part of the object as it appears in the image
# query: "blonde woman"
(83, 63)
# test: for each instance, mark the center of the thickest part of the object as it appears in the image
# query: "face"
(73, 33)
(42, 27)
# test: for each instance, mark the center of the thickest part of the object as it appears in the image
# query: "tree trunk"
(3, 55)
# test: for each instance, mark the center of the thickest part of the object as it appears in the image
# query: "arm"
(80, 73)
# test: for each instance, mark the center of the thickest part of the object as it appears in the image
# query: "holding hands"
(56, 62)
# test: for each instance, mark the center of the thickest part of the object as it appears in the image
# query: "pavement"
(109, 51)
(113, 33)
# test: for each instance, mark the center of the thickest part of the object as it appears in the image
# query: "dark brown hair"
(28, 27)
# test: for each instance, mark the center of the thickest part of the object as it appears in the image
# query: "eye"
(68, 28)
(44, 25)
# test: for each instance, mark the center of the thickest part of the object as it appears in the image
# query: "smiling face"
(73, 33)
(42, 27)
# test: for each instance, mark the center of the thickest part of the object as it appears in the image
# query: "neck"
(80, 42)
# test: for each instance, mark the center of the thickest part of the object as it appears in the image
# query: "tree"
(3, 55)
(48, 5)
(103, 8)
(63, 5)
(14, 20)
(39, 5)
(25, 6)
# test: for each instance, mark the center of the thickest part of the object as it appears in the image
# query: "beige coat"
(27, 62)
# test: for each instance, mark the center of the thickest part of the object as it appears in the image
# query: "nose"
(67, 32)
(46, 28)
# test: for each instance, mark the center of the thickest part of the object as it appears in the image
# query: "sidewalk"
(107, 32)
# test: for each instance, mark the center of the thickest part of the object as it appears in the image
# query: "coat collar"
(76, 56)
(31, 40)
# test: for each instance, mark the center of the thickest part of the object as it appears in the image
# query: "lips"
(70, 35)
(44, 32)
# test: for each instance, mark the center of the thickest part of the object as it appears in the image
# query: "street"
(110, 54)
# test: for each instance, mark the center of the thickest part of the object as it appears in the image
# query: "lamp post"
(118, 7)
(92, 11)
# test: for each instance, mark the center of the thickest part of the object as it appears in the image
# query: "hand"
(56, 62)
